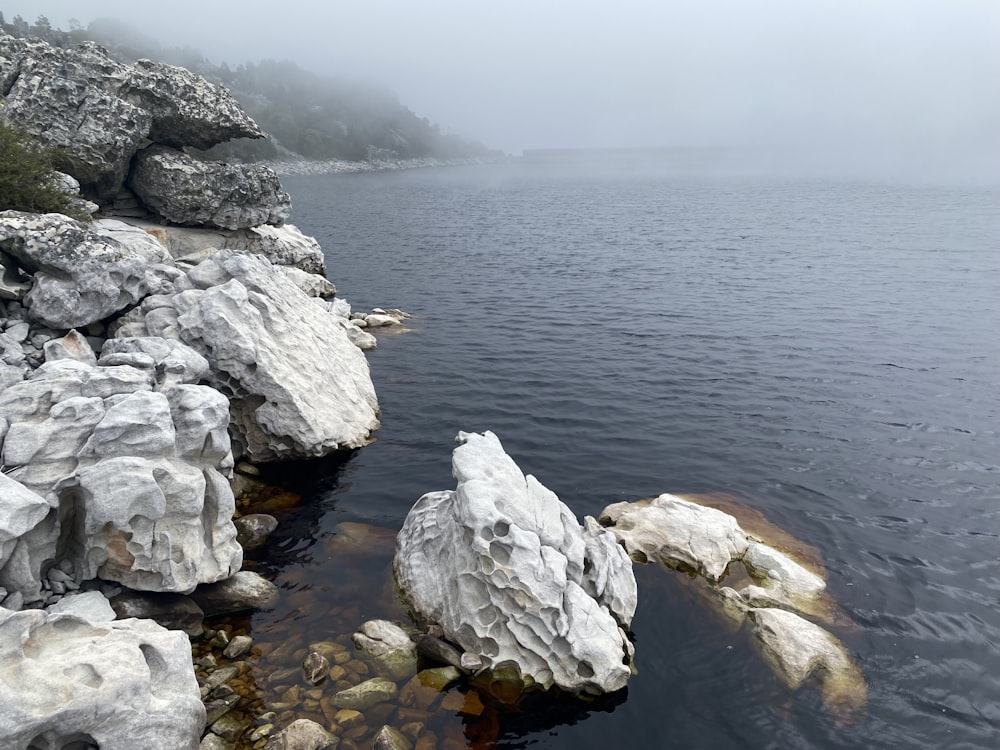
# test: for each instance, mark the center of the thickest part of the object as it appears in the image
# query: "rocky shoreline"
(152, 358)
(339, 166)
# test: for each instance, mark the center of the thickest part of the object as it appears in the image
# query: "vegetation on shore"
(306, 116)
(28, 179)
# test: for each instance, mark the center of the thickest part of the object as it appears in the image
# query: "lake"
(823, 351)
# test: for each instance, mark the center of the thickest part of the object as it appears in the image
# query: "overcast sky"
(908, 75)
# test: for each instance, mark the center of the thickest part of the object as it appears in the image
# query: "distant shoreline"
(340, 166)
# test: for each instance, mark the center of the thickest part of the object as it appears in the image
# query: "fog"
(885, 79)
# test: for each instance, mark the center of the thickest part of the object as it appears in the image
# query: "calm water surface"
(826, 352)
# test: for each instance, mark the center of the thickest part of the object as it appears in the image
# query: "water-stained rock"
(507, 572)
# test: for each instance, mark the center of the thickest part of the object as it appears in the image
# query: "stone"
(134, 477)
(21, 510)
(172, 611)
(369, 693)
(229, 727)
(99, 111)
(798, 649)
(238, 646)
(81, 275)
(117, 685)
(173, 362)
(91, 606)
(311, 284)
(361, 339)
(301, 734)
(242, 592)
(390, 738)
(679, 533)
(297, 386)
(506, 571)
(438, 651)
(13, 284)
(71, 346)
(315, 667)
(185, 190)
(214, 742)
(781, 575)
(388, 647)
(379, 321)
(252, 530)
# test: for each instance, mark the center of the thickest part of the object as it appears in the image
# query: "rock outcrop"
(695, 538)
(81, 274)
(134, 476)
(66, 681)
(100, 112)
(185, 190)
(298, 387)
(507, 572)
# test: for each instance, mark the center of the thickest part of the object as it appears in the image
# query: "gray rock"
(71, 346)
(390, 738)
(302, 734)
(80, 275)
(13, 284)
(369, 693)
(241, 592)
(214, 742)
(173, 361)
(388, 647)
(187, 191)
(172, 611)
(100, 111)
(314, 667)
(253, 530)
(438, 651)
(238, 647)
(503, 567)
(91, 606)
(117, 685)
(311, 284)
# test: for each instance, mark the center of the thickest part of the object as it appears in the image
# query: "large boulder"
(507, 572)
(67, 681)
(81, 274)
(185, 190)
(298, 387)
(135, 476)
(100, 112)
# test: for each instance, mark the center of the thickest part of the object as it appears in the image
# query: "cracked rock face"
(134, 477)
(66, 680)
(298, 387)
(81, 274)
(510, 575)
(187, 191)
(101, 111)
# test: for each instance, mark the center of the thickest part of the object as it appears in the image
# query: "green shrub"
(27, 177)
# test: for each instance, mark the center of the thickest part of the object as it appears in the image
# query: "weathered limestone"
(134, 477)
(298, 387)
(81, 274)
(678, 533)
(302, 734)
(118, 685)
(503, 567)
(185, 190)
(100, 111)
(685, 535)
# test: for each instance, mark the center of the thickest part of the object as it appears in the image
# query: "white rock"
(21, 510)
(340, 308)
(376, 320)
(679, 533)
(781, 574)
(503, 567)
(119, 685)
(91, 606)
(389, 647)
(797, 648)
(298, 387)
(311, 284)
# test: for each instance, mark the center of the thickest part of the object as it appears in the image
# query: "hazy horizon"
(905, 81)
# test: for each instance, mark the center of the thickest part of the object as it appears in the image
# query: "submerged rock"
(388, 647)
(506, 571)
(65, 680)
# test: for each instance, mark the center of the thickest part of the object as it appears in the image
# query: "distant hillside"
(306, 116)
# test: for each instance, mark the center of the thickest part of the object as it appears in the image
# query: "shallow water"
(824, 352)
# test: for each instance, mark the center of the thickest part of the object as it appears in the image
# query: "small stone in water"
(315, 667)
(238, 646)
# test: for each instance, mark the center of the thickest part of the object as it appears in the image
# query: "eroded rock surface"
(81, 274)
(100, 112)
(185, 190)
(507, 572)
(118, 685)
(135, 477)
(298, 387)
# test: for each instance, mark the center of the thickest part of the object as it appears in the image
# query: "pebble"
(238, 647)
